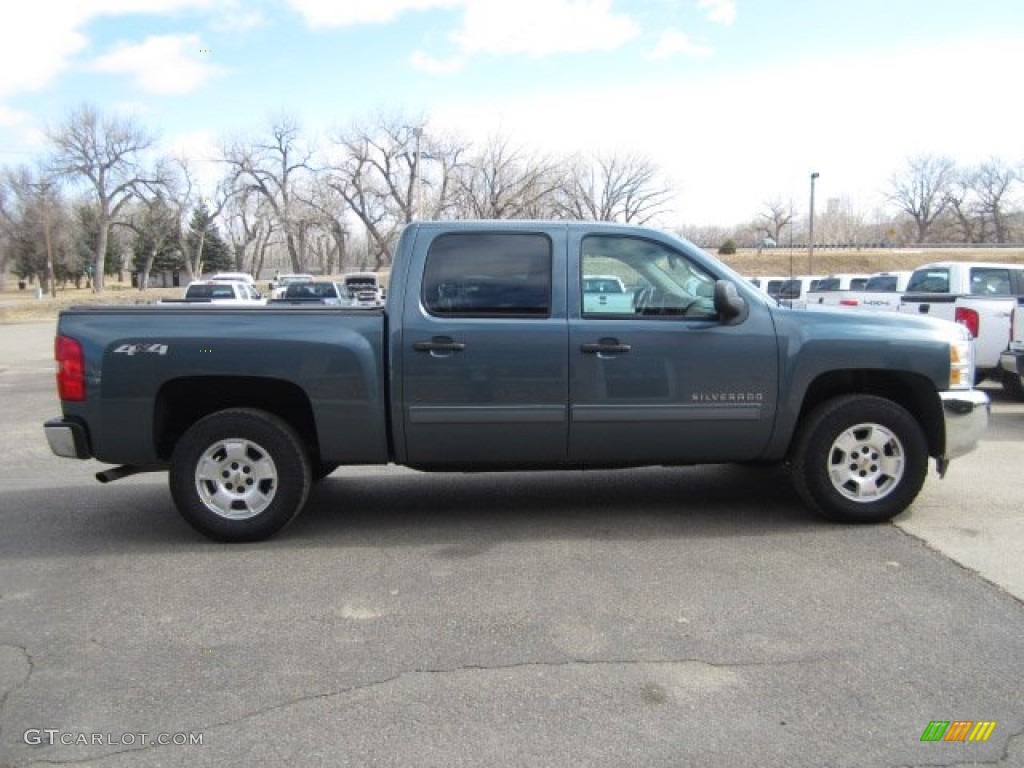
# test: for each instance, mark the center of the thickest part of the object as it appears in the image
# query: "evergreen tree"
(203, 233)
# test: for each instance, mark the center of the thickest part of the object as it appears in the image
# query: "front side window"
(488, 274)
(632, 277)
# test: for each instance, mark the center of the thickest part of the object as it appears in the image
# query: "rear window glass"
(929, 281)
(213, 291)
(882, 283)
(989, 281)
(488, 274)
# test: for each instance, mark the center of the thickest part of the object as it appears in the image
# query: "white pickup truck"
(882, 291)
(1011, 361)
(981, 296)
(606, 293)
(831, 289)
(219, 292)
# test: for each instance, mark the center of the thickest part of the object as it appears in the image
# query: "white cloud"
(542, 27)
(719, 11)
(39, 39)
(676, 43)
(742, 144)
(341, 13)
(161, 64)
(432, 66)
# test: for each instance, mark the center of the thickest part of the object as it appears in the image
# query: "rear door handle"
(605, 347)
(439, 344)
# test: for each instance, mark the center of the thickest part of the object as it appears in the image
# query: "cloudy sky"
(738, 101)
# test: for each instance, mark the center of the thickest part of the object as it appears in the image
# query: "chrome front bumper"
(965, 413)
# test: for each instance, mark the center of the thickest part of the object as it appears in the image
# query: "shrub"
(727, 248)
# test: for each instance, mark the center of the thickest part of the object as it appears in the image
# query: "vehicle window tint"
(488, 274)
(827, 284)
(929, 281)
(625, 276)
(989, 281)
(881, 283)
(858, 283)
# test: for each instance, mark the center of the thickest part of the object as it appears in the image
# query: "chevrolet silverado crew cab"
(489, 356)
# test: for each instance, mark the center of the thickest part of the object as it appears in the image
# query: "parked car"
(234, 277)
(831, 289)
(365, 289)
(981, 296)
(326, 292)
(219, 292)
(770, 284)
(793, 291)
(483, 359)
(606, 293)
(278, 287)
(1011, 361)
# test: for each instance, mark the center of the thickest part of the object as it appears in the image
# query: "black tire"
(239, 475)
(1013, 383)
(859, 459)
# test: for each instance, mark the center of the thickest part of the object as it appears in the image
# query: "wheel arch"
(179, 403)
(913, 392)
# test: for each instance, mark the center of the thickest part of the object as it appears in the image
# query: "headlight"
(961, 363)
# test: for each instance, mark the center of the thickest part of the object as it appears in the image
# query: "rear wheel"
(859, 459)
(239, 475)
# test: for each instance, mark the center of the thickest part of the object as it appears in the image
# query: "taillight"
(70, 369)
(849, 302)
(969, 319)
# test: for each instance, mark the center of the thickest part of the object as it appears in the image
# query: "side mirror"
(730, 306)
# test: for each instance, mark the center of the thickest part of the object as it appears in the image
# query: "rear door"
(484, 375)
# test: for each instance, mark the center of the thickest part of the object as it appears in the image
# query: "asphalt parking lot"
(655, 617)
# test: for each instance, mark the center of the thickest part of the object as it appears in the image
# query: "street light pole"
(810, 234)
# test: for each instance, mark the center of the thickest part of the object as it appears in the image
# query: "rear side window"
(488, 274)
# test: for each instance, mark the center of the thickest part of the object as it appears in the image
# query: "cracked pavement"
(661, 617)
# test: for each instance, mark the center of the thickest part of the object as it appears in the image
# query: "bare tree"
(775, 219)
(380, 177)
(921, 190)
(107, 153)
(614, 187)
(273, 168)
(247, 218)
(993, 184)
(505, 182)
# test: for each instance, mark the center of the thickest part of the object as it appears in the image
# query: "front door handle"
(444, 344)
(605, 347)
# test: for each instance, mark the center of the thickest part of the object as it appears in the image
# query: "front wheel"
(239, 475)
(859, 459)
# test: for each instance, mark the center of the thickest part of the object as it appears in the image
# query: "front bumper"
(1012, 362)
(67, 439)
(965, 413)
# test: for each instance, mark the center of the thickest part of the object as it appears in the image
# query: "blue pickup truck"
(487, 356)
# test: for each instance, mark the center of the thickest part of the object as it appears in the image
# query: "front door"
(658, 377)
